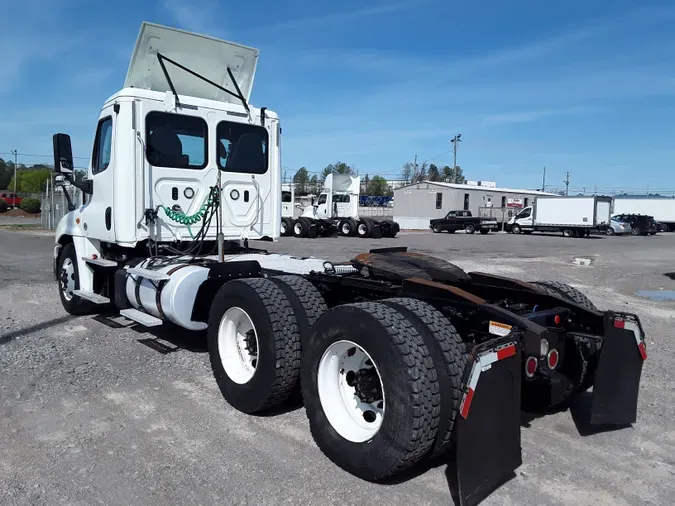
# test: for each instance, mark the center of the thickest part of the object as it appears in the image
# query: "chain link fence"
(55, 203)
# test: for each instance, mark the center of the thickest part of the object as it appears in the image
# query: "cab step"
(148, 274)
(145, 319)
(101, 262)
(92, 297)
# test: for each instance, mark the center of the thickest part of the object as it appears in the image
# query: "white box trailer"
(661, 208)
(573, 216)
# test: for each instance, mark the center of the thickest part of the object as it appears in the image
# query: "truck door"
(98, 214)
(524, 218)
(322, 210)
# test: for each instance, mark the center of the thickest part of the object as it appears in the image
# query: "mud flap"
(617, 377)
(487, 430)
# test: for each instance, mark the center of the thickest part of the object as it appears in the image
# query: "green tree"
(365, 185)
(449, 175)
(6, 174)
(31, 180)
(433, 174)
(338, 168)
(378, 186)
(301, 181)
(313, 186)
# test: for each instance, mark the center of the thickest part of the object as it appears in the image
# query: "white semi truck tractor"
(336, 212)
(399, 356)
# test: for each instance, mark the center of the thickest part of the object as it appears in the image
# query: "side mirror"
(63, 154)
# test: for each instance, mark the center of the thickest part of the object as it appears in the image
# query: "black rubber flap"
(488, 439)
(617, 377)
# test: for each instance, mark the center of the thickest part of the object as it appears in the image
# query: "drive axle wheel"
(370, 390)
(254, 344)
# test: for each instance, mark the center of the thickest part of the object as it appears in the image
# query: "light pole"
(455, 140)
(15, 155)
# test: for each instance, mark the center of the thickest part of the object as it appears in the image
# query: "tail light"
(530, 366)
(553, 358)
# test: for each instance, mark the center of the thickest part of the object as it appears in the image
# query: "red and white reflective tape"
(483, 362)
(632, 326)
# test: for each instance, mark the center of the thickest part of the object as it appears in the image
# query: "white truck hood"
(342, 183)
(204, 55)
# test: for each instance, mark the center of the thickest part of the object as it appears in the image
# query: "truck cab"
(178, 136)
(523, 219)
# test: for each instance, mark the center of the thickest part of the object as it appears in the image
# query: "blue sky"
(580, 86)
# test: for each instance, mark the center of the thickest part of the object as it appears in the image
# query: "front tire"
(254, 344)
(515, 229)
(69, 281)
(437, 229)
(370, 390)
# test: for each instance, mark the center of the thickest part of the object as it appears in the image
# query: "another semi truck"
(336, 212)
(573, 216)
(662, 209)
(399, 356)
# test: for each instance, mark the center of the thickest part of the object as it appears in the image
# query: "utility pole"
(567, 183)
(456, 139)
(414, 174)
(15, 155)
(543, 180)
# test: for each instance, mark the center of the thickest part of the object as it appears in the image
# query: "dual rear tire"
(380, 381)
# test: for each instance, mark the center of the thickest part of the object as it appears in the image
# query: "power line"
(38, 155)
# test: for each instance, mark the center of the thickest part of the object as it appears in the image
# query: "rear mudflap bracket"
(631, 322)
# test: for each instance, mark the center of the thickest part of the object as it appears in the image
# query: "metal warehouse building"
(416, 204)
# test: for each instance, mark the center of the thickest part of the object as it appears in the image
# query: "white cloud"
(196, 16)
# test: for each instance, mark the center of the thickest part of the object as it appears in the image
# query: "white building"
(416, 204)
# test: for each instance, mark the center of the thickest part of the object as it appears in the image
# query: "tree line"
(416, 173)
(30, 179)
(377, 185)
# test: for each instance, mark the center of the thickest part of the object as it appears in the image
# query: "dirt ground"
(92, 414)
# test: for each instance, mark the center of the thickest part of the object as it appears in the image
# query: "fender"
(70, 230)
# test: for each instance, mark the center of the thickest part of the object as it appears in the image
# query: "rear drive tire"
(449, 355)
(306, 301)
(69, 280)
(364, 229)
(346, 227)
(394, 425)
(254, 344)
(301, 227)
(568, 232)
(395, 229)
(469, 228)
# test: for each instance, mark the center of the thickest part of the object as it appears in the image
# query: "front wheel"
(437, 229)
(610, 231)
(635, 231)
(515, 229)
(69, 281)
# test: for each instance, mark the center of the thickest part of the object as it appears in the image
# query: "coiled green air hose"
(191, 219)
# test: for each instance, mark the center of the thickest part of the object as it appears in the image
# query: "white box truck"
(573, 216)
(662, 209)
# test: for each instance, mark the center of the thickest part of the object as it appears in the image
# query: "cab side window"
(322, 199)
(102, 146)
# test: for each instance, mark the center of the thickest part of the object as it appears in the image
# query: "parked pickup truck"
(12, 199)
(462, 220)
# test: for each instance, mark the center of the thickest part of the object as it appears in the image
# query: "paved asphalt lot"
(91, 415)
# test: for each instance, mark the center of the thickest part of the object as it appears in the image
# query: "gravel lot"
(90, 415)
